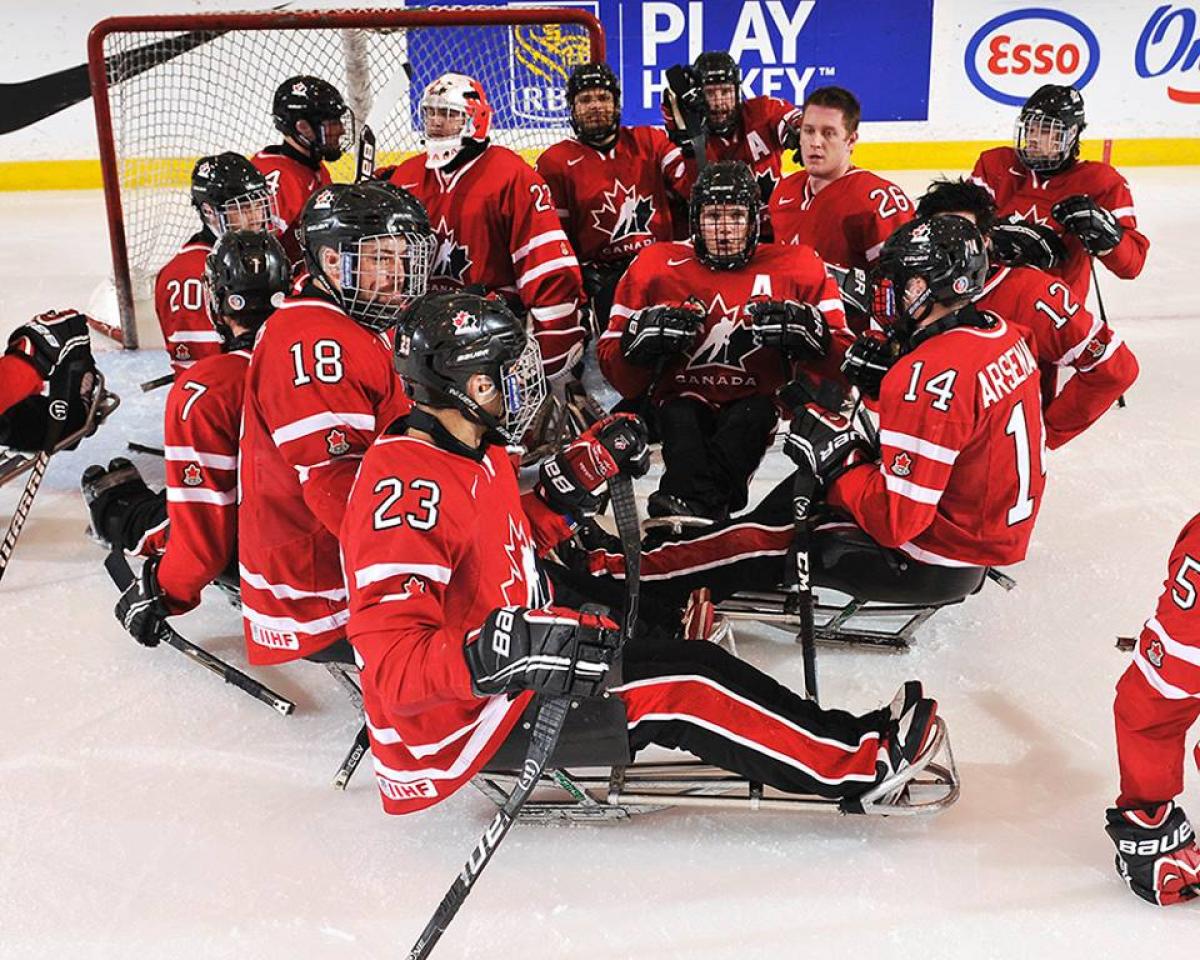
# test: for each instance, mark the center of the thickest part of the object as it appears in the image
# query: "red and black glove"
(50, 339)
(1095, 226)
(825, 443)
(568, 481)
(1157, 853)
(868, 359)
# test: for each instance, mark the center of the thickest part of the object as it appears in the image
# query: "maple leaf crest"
(336, 442)
(1031, 216)
(1155, 652)
(452, 260)
(767, 182)
(465, 322)
(192, 475)
(727, 341)
(523, 586)
(629, 213)
(902, 464)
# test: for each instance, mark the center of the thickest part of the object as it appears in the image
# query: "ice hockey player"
(1061, 331)
(317, 126)
(1158, 700)
(843, 212)
(228, 194)
(319, 388)
(1041, 181)
(246, 277)
(755, 131)
(610, 183)
(495, 220)
(711, 328)
(453, 620)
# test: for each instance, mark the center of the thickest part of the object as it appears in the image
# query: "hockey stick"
(1103, 314)
(164, 380)
(118, 569)
(361, 744)
(547, 727)
(134, 447)
(799, 596)
(364, 160)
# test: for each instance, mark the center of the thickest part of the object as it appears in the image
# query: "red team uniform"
(179, 304)
(497, 228)
(294, 177)
(1030, 196)
(319, 388)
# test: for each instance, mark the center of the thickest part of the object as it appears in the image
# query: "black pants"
(709, 455)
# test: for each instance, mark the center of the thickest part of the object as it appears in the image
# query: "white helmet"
(461, 94)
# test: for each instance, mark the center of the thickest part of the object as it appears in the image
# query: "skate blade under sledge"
(674, 525)
(927, 787)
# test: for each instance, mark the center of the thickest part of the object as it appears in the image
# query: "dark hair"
(839, 98)
(957, 196)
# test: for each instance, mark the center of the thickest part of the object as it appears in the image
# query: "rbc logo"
(1012, 55)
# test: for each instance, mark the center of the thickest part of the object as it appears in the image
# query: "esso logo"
(1012, 55)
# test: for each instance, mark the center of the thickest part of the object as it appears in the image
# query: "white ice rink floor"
(147, 811)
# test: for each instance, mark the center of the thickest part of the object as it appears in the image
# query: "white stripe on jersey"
(285, 591)
(188, 495)
(319, 421)
(218, 461)
(385, 571)
(923, 448)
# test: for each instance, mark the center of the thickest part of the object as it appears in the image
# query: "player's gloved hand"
(552, 650)
(568, 481)
(50, 339)
(1019, 243)
(141, 609)
(824, 443)
(1157, 853)
(658, 332)
(113, 496)
(1096, 228)
(789, 137)
(854, 288)
(682, 100)
(796, 329)
(868, 359)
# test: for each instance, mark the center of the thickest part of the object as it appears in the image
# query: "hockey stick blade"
(121, 575)
(164, 380)
(360, 746)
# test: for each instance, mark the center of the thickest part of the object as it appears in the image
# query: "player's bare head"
(472, 357)
(370, 244)
(720, 78)
(829, 131)
(927, 269)
(229, 193)
(723, 215)
(1046, 137)
(245, 279)
(594, 97)
(961, 197)
(455, 116)
(311, 113)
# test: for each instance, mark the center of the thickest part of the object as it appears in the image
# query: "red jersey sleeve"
(1128, 257)
(671, 162)
(18, 379)
(631, 296)
(885, 208)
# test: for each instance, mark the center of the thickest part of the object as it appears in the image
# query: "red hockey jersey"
(960, 476)
(1063, 333)
(18, 380)
(181, 305)
(846, 222)
(294, 178)
(319, 388)
(200, 447)
(1158, 697)
(1031, 197)
(496, 228)
(614, 202)
(725, 364)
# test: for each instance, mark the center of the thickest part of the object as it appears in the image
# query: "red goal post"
(168, 89)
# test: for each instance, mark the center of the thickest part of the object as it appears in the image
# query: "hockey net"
(168, 89)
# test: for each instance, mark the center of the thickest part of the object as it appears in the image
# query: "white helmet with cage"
(454, 94)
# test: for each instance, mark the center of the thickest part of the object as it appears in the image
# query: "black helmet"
(717, 66)
(354, 219)
(446, 338)
(728, 182)
(317, 102)
(947, 252)
(245, 276)
(594, 76)
(229, 192)
(1050, 123)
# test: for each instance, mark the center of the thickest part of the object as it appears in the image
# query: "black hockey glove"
(1096, 228)
(568, 481)
(122, 507)
(795, 329)
(789, 138)
(868, 359)
(824, 443)
(1016, 243)
(683, 107)
(51, 339)
(141, 609)
(552, 650)
(655, 333)
(1157, 853)
(854, 287)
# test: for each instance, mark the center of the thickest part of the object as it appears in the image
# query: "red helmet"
(457, 93)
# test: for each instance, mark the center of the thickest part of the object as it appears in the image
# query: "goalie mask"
(371, 245)
(455, 114)
(591, 128)
(245, 279)
(316, 102)
(445, 339)
(1048, 129)
(723, 215)
(945, 253)
(718, 69)
(230, 193)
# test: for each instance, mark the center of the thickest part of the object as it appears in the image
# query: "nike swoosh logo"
(784, 200)
(678, 263)
(571, 163)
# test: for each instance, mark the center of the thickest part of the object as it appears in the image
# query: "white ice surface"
(148, 811)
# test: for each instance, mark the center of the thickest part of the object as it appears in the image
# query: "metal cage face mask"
(523, 386)
(382, 274)
(332, 149)
(1044, 143)
(255, 211)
